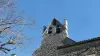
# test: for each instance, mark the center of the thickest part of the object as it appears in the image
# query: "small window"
(58, 29)
(50, 30)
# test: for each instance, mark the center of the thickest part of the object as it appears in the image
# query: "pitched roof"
(79, 43)
(55, 21)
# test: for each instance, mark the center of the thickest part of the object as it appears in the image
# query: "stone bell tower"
(56, 34)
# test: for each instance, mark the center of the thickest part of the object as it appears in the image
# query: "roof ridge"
(79, 43)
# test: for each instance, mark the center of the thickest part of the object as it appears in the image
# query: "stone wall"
(82, 50)
(49, 44)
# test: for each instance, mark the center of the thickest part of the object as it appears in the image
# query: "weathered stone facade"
(56, 43)
(82, 49)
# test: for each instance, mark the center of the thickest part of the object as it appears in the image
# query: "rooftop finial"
(66, 26)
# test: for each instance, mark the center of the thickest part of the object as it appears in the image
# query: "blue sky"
(83, 19)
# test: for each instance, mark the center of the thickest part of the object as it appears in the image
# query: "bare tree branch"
(11, 26)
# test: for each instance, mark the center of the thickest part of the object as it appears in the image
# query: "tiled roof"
(79, 43)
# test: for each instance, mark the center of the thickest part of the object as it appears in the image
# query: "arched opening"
(58, 29)
(50, 30)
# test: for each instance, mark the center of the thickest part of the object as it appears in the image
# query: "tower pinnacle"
(66, 26)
